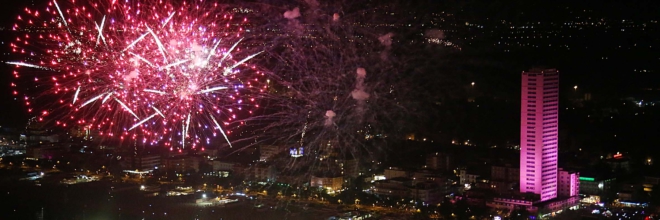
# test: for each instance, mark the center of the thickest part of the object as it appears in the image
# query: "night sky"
(500, 70)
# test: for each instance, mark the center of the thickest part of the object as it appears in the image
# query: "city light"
(259, 109)
(590, 179)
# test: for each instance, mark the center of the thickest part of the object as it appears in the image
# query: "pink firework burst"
(155, 71)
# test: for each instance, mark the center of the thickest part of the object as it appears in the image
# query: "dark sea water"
(98, 201)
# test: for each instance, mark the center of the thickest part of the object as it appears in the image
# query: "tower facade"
(539, 114)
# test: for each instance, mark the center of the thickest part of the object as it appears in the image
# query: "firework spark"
(28, 65)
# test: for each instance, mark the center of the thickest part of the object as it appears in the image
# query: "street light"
(575, 87)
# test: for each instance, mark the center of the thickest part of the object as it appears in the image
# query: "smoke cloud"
(386, 39)
(359, 93)
(335, 17)
(292, 14)
(312, 3)
(329, 115)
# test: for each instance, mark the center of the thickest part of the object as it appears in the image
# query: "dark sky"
(634, 9)
(502, 8)
(10, 9)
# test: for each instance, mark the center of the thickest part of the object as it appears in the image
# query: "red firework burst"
(155, 71)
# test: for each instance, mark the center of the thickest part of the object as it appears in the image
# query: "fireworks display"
(156, 72)
(337, 86)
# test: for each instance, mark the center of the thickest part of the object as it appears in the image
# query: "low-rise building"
(351, 168)
(467, 177)
(222, 166)
(534, 205)
(595, 185)
(504, 178)
(398, 187)
(439, 161)
(394, 172)
(44, 151)
(262, 172)
(181, 163)
(267, 152)
(506, 173)
(331, 183)
(650, 183)
(500, 186)
(618, 163)
(568, 183)
(145, 162)
(511, 204)
(427, 192)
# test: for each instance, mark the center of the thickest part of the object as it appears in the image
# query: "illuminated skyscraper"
(538, 132)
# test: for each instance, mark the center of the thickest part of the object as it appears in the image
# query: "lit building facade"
(296, 151)
(332, 184)
(569, 183)
(467, 177)
(394, 172)
(146, 162)
(539, 132)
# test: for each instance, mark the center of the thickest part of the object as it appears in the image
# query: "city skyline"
(338, 110)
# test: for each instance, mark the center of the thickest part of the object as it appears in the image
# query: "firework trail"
(165, 72)
(333, 88)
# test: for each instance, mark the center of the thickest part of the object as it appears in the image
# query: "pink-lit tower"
(539, 112)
